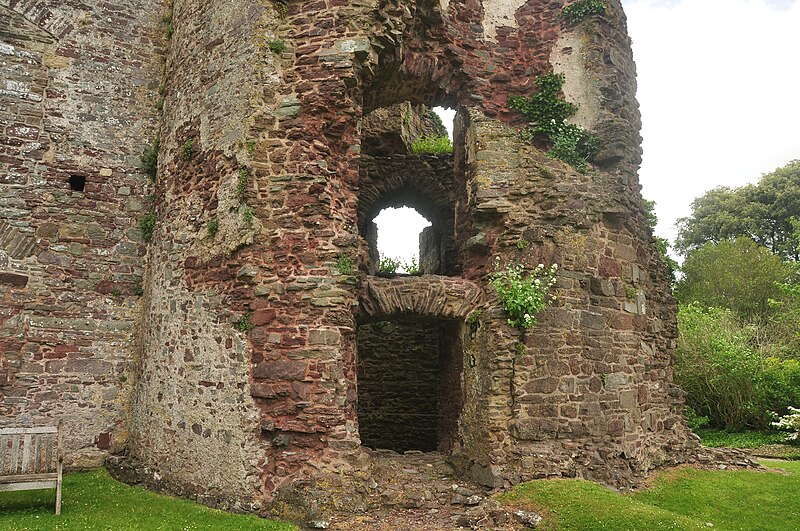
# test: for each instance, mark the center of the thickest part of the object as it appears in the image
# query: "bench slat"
(52, 476)
(29, 485)
(24, 431)
(26, 454)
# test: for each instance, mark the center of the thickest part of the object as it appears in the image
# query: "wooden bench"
(31, 458)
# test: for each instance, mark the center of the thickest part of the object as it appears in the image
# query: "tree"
(736, 274)
(762, 212)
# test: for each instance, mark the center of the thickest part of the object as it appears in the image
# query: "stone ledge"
(426, 296)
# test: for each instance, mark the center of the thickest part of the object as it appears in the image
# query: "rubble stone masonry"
(222, 357)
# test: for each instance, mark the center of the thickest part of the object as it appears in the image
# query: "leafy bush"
(344, 264)
(276, 46)
(725, 375)
(243, 324)
(412, 266)
(547, 114)
(241, 184)
(523, 295)
(434, 145)
(212, 226)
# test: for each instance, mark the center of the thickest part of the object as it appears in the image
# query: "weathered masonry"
(222, 325)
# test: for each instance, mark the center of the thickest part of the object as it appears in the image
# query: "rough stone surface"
(223, 356)
(77, 101)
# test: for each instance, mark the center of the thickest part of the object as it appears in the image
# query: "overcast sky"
(719, 85)
(719, 90)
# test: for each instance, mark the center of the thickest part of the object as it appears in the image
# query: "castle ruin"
(246, 351)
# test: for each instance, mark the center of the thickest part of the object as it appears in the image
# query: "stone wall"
(78, 84)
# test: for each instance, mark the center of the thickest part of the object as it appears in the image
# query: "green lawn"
(93, 500)
(678, 499)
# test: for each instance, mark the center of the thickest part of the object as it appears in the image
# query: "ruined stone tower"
(245, 350)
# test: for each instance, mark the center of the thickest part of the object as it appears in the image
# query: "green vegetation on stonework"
(523, 294)
(547, 116)
(276, 46)
(212, 226)
(241, 185)
(243, 324)
(147, 224)
(577, 11)
(248, 215)
(684, 498)
(188, 149)
(388, 264)
(95, 501)
(344, 264)
(432, 145)
(149, 159)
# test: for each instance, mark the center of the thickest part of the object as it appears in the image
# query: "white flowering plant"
(523, 294)
(791, 423)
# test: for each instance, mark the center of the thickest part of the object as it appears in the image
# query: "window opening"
(447, 116)
(77, 182)
(401, 239)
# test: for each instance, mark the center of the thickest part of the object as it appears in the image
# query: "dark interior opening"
(409, 384)
(77, 182)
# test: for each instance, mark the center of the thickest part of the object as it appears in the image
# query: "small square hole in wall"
(77, 182)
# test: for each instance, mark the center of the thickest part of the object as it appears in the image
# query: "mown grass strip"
(683, 498)
(95, 501)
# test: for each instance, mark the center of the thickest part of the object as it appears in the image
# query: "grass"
(93, 500)
(684, 498)
(763, 443)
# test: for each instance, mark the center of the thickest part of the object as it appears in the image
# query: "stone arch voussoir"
(428, 296)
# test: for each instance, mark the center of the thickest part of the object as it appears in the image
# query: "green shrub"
(248, 215)
(188, 149)
(241, 184)
(547, 115)
(577, 11)
(725, 375)
(412, 266)
(434, 145)
(243, 324)
(523, 295)
(212, 226)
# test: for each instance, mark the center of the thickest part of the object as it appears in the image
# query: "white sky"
(719, 91)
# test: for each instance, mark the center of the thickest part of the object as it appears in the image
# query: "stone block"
(280, 370)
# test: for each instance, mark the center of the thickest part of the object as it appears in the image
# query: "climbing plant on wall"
(547, 115)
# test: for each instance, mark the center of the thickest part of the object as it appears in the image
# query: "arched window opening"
(405, 240)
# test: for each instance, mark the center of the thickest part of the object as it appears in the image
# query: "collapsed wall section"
(76, 111)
